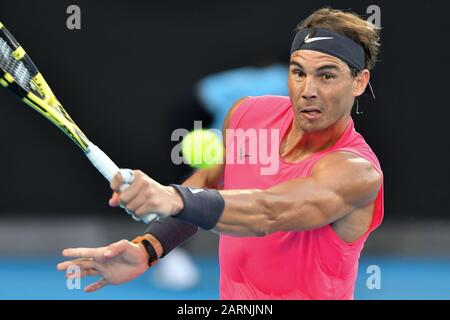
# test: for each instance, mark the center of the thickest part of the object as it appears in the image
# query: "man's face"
(321, 89)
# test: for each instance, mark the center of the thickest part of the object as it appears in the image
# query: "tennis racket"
(19, 74)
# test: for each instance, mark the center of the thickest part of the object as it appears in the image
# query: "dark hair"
(349, 24)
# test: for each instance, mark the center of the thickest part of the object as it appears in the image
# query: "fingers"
(147, 207)
(63, 265)
(80, 263)
(84, 273)
(140, 192)
(115, 200)
(116, 182)
(133, 197)
(118, 179)
(83, 252)
(66, 264)
(116, 248)
(89, 273)
(137, 202)
(96, 285)
(131, 192)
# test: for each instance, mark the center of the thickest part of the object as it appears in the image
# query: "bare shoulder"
(345, 160)
(350, 175)
(214, 175)
(230, 112)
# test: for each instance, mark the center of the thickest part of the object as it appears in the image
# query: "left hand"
(115, 264)
(145, 195)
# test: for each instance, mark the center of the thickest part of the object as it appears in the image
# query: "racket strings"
(17, 69)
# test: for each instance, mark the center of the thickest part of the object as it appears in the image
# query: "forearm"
(169, 233)
(250, 212)
(235, 212)
(247, 213)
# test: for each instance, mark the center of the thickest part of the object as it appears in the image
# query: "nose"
(309, 89)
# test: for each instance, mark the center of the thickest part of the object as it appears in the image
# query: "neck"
(299, 144)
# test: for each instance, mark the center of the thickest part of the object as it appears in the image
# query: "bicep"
(337, 186)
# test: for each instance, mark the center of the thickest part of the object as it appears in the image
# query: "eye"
(328, 76)
(298, 73)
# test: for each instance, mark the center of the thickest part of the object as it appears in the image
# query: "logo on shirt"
(242, 154)
(254, 146)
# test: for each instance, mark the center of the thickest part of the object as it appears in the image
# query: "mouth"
(311, 112)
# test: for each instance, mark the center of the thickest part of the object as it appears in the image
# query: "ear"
(360, 82)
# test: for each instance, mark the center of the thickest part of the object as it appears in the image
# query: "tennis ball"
(201, 149)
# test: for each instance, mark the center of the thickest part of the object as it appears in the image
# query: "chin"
(307, 126)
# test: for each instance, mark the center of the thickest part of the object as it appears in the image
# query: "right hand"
(117, 263)
(145, 196)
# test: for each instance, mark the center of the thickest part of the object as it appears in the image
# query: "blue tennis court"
(401, 278)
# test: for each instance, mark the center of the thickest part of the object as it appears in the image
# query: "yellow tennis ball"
(202, 149)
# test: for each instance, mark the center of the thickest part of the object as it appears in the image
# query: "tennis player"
(297, 231)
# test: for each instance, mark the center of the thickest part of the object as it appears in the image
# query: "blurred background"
(137, 70)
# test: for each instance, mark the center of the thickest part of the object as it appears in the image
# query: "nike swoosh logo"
(309, 40)
(194, 191)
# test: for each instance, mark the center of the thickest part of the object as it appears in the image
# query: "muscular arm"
(203, 178)
(340, 183)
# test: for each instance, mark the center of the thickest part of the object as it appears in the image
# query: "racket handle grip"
(102, 162)
(127, 179)
(109, 169)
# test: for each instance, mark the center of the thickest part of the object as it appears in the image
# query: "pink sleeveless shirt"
(312, 264)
